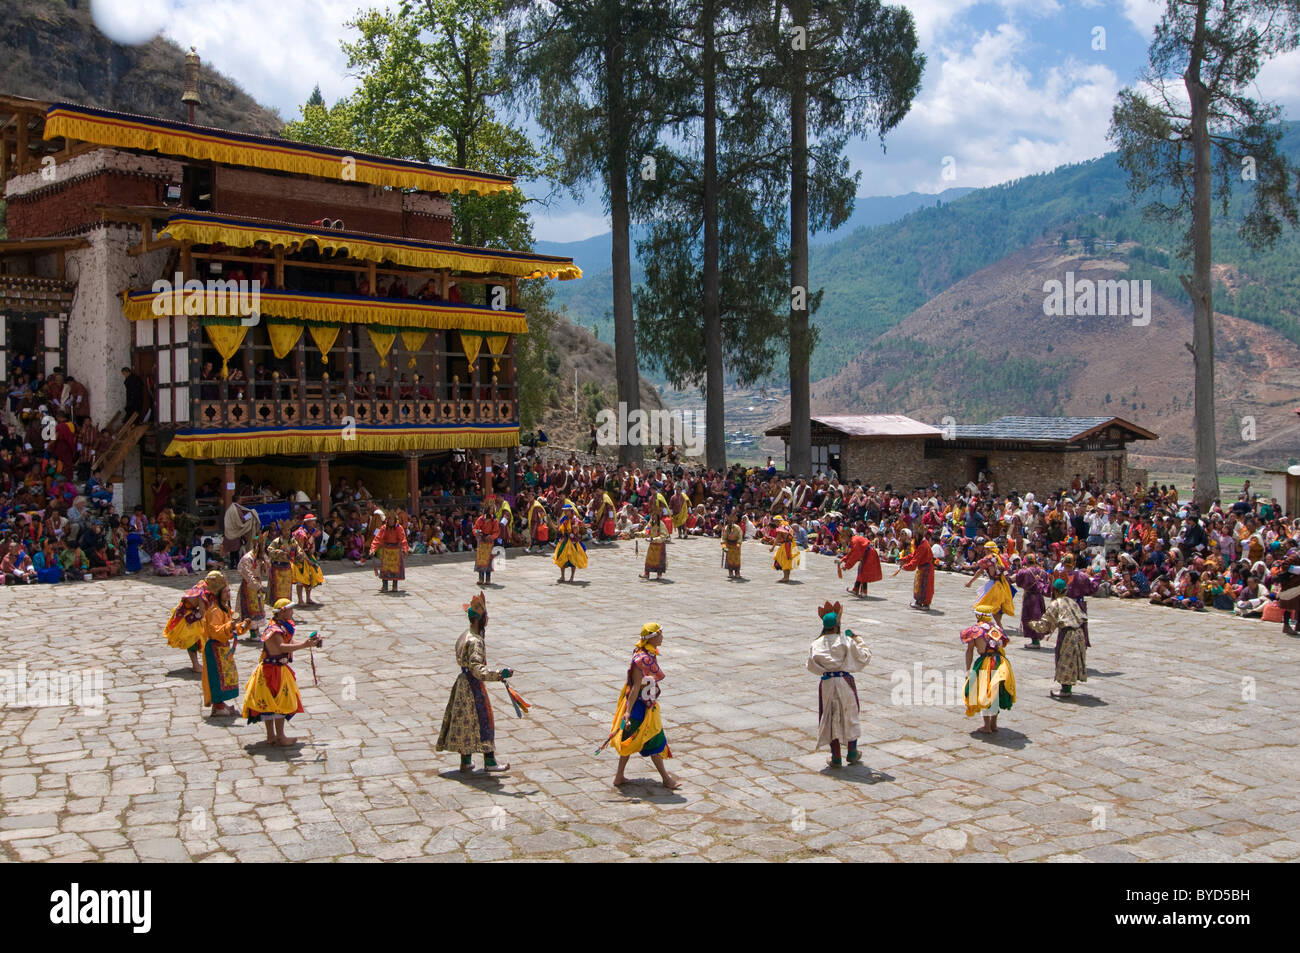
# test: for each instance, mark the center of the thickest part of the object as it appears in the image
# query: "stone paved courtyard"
(1183, 750)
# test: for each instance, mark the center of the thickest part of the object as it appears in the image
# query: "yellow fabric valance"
(413, 341)
(284, 337)
(204, 143)
(205, 228)
(382, 341)
(226, 338)
(329, 309)
(210, 445)
(497, 345)
(470, 344)
(324, 336)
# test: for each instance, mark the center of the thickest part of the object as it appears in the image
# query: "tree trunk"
(800, 352)
(617, 159)
(1201, 289)
(714, 423)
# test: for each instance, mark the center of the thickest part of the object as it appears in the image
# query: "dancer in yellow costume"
(272, 695)
(184, 627)
(990, 684)
(280, 554)
(217, 643)
(996, 596)
(639, 729)
(681, 506)
(603, 523)
(732, 536)
(307, 573)
(656, 552)
(570, 553)
(785, 551)
(539, 531)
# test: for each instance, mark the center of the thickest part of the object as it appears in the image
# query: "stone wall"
(1039, 472)
(898, 461)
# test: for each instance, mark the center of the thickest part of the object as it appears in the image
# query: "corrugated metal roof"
(879, 425)
(1031, 428)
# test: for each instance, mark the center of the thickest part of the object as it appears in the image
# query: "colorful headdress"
(830, 613)
(281, 607)
(477, 607)
(216, 580)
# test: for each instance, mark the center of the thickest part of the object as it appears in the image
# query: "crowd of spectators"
(1140, 542)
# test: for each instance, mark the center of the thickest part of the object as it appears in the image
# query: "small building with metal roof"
(1026, 454)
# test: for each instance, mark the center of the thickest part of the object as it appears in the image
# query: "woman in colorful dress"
(656, 551)
(990, 684)
(995, 598)
(307, 573)
(468, 725)
(638, 726)
(732, 536)
(184, 627)
(570, 553)
(920, 561)
(252, 604)
(217, 644)
(784, 549)
(390, 543)
(279, 552)
(271, 695)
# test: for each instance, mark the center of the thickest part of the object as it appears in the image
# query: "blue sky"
(1011, 88)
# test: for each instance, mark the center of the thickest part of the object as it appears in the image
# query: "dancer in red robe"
(862, 554)
(920, 560)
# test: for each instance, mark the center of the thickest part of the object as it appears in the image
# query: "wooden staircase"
(108, 462)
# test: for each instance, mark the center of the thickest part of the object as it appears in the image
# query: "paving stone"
(1170, 767)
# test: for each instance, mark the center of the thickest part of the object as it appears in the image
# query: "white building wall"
(99, 335)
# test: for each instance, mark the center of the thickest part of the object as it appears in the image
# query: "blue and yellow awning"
(326, 309)
(205, 228)
(198, 444)
(126, 131)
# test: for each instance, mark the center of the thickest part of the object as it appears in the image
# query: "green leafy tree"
(842, 68)
(590, 72)
(1191, 137)
(714, 288)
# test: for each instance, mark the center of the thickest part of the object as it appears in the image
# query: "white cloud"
(276, 51)
(1279, 82)
(995, 116)
(1144, 15)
